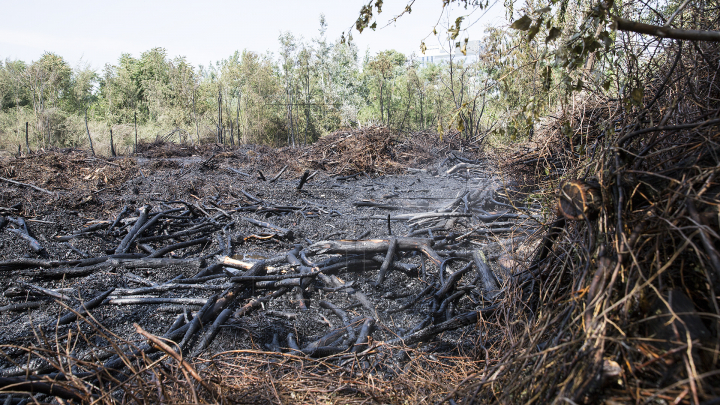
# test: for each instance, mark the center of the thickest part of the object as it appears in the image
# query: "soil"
(87, 190)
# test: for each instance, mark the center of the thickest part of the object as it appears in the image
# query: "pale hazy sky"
(97, 32)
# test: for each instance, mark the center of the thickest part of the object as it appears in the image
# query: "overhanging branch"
(665, 32)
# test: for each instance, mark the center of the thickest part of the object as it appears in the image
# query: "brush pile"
(620, 303)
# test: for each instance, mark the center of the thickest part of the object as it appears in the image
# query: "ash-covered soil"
(214, 198)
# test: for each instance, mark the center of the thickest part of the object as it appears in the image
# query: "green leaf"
(373, 26)
(523, 24)
(543, 10)
(606, 85)
(534, 29)
(553, 34)
(637, 95)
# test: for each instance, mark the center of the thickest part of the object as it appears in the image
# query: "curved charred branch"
(132, 234)
(85, 231)
(257, 302)
(277, 176)
(180, 245)
(211, 332)
(340, 314)
(454, 278)
(282, 232)
(364, 336)
(485, 275)
(387, 262)
(459, 321)
(303, 179)
(24, 384)
(196, 324)
(204, 227)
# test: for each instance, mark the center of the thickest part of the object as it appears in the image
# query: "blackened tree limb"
(83, 309)
(34, 387)
(125, 244)
(180, 245)
(277, 176)
(457, 322)
(211, 332)
(388, 261)
(17, 183)
(485, 275)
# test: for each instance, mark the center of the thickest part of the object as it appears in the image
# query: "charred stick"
(236, 171)
(368, 246)
(448, 285)
(156, 263)
(169, 287)
(417, 298)
(343, 178)
(83, 309)
(262, 176)
(405, 267)
(256, 302)
(485, 275)
(329, 337)
(117, 219)
(364, 336)
(456, 322)
(303, 179)
(179, 321)
(340, 314)
(20, 306)
(167, 349)
(131, 235)
(34, 244)
(180, 245)
(25, 384)
(17, 183)
(274, 277)
(447, 301)
(196, 323)
(281, 231)
(292, 343)
(68, 271)
(152, 222)
(277, 176)
(84, 231)
(146, 248)
(205, 227)
(153, 300)
(387, 262)
(47, 292)
(211, 332)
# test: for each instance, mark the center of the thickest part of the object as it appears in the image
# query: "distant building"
(436, 54)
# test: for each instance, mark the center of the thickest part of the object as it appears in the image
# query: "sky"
(97, 32)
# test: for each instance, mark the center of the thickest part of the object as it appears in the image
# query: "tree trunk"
(27, 137)
(112, 144)
(88, 134)
(219, 127)
(135, 120)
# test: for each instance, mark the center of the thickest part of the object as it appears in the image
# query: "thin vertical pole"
(135, 132)
(27, 138)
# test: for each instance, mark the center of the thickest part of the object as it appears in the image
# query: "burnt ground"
(215, 192)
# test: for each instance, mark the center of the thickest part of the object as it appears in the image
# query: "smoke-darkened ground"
(206, 246)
